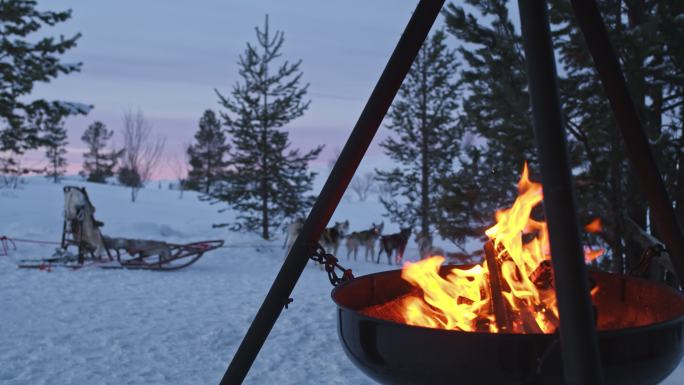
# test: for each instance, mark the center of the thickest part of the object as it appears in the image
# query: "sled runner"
(82, 230)
(166, 256)
(178, 257)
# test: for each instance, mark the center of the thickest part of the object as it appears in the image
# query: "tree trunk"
(634, 66)
(97, 162)
(656, 123)
(616, 202)
(264, 192)
(424, 149)
(208, 172)
(264, 159)
(616, 195)
(679, 190)
(54, 171)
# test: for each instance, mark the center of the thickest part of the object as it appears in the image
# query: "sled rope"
(4, 239)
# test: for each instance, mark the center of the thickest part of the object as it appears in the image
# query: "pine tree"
(496, 124)
(98, 165)
(425, 140)
(208, 155)
(55, 141)
(268, 179)
(589, 121)
(28, 59)
(647, 36)
(130, 177)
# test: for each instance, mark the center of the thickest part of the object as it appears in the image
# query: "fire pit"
(640, 331)
(497, 322)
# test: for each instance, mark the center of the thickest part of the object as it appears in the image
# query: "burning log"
(542, 277)
(524, 314)
(528, 322)
(501, 311)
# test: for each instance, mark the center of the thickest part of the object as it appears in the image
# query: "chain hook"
(330, 263)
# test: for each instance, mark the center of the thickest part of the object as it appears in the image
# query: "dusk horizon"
(170, 72)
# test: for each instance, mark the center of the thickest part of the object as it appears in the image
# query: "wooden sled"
(82, 231)
(180, 256)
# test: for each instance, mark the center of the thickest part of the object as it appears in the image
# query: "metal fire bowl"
(395, 353)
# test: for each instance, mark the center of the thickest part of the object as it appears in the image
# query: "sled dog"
(291, 233)
(394, 242)
(332, 236)
(364, 238)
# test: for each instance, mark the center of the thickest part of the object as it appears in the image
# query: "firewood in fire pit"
(528, 323)
(482, 324)
(542, 277)
(501, 311)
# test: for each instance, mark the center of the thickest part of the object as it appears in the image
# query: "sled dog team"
(392, 244)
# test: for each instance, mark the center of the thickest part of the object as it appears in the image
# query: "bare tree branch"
(362, 185)
(142, 151)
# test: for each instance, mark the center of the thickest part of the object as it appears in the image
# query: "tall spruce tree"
(98, 164)
(29, 57)
(55, 141)
(207, 155)
(268, 180)
(426, 136)
(647, 37)
(495, 121)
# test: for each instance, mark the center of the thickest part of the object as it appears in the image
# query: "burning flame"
(520, 253)
(455, 300)
(594, 226)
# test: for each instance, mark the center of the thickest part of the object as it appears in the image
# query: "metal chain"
(329, 261)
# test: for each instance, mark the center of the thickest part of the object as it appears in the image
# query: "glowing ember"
(463, 299)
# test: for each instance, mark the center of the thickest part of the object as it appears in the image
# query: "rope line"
(12, 240)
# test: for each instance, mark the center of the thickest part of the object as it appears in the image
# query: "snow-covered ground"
(135, 327)
(95, 327)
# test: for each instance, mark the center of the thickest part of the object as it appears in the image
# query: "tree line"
(460, 126)
(242, 155)
(27, 125)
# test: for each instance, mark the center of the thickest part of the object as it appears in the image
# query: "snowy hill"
(139, 327)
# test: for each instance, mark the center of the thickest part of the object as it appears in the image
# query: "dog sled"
(82, 231)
